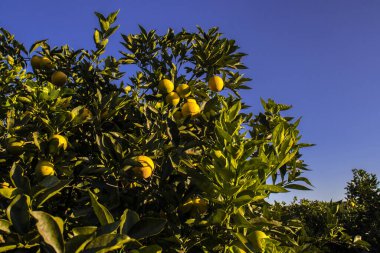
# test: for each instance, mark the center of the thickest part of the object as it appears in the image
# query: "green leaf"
(147, 227)
(218, 217)
(77, 244)
(236, 249)
(37, 44)
(105, 25)
(234, 111)
(287, 158)
(6, 248)
(5, 226)
(150, 249)
(18, 213)
(297, 187)
(9, 193)
(50, 192)
(18, 179)
(128, 219)
(88, 230)
(107, 243)
(104, 216)
(110, 228)
(112, 17)
(272, 188)
(223, 135)
(49, 229)
(97, 36)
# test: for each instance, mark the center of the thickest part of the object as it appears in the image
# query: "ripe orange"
(44, 168)
(183, 90)
(172, 98)
(36, 62)
(58, 78)
(46, 63)
(216, 83)
(146, 170)
(166, 85)
(190, 108)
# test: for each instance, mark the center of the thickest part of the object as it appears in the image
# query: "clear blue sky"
(323, 57)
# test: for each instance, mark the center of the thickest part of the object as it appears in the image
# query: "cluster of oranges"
(190, 107)
(45, 168)
(58, 78)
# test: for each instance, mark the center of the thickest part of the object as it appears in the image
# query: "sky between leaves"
(322, 57)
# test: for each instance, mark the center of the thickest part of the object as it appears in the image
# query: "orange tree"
(161, 158)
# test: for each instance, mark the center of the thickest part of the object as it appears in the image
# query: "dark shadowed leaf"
(147, 227)
(18, 213)
(128, 219)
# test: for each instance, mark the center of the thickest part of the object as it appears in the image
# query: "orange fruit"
(183, 90)
(172, 98)
(216, 83)
(146, 170)
(58, 78)
(190, 108)
(46, 63)
(44, 168)
(166, 85)
(36, 61)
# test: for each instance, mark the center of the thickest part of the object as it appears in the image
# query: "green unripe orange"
(183, 90)
(216, 83)
(44, 168)
(172, 98)
(190, 108)
(59, 78)
(166, 85)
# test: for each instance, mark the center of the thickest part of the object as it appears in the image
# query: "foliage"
(222, 162)
(363, 218)
(322, 227)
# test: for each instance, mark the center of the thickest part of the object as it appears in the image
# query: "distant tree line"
(349, 225)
